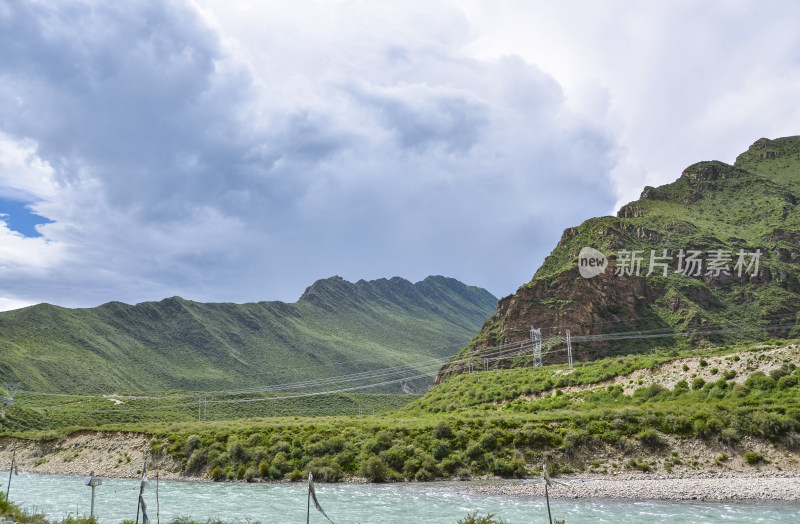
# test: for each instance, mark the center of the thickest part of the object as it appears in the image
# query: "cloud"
(683, 81)
(239, 152)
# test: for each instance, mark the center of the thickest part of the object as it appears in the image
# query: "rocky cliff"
(709, 258)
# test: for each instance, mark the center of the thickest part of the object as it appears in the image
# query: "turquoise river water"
(439, 502)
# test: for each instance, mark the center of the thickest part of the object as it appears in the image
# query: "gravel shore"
(120, 454)
(708, 486)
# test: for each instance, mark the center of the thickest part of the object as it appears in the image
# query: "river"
(438, 502)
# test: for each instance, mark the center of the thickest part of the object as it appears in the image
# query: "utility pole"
(536, 338)
(11, 390)
(486, 364)
(569, 349)
(11, 471)
(93, 482)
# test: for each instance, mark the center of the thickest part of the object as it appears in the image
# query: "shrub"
(250, 474)
(572, 440)
(739, 390)
(197, 460)
(381, 442)
(640, 465)
(473, 518)
(651, 439)
(263, 468)
(698, 383)
(240, 472)
(325, 469)
(452, 464)
(236, 452)
(296, 475)
(703, 362)
(443, 430)
(281, 463)
(681, 387)
(217, 474)
(759, 381)
(776, 374)
(488, 441)
(753, 457)
(395, 456)
(375, 469)
(192, 442)
(729, 436)
(440, 450)
(787, 381)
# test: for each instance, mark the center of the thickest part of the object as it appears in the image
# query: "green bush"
(296, 475)
(217, 474)
(240, 472)
(443, 430)
(250, 474)
(760, 382)
(651, 439)
(753, 457)
(787, 381)
(325, 469)
(698, 383)
(375, 469)
(473, 518)
(488, 441)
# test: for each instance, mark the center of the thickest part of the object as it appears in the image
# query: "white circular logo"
(591, 262)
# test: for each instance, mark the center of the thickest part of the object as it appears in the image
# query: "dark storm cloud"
(173, 164)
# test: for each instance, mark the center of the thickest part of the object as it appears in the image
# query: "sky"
(238, 151)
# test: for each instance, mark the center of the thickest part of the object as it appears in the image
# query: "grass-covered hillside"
(715, 209)
(716, 409)
(335, 328)
(713, 410)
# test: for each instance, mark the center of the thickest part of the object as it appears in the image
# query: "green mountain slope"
(748, 207)
(335, 328)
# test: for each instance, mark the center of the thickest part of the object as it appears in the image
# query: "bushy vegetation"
(506, 439)
(453, 432)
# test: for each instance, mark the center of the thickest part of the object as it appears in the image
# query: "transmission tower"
(11, 390)
(569, 350)
(536, 338)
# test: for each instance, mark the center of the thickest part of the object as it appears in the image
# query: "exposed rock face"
(738, 210)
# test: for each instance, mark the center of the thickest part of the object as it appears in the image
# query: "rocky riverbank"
(644, 486)
(120, 455)
(107, 453)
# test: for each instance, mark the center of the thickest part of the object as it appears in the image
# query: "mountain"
(721, 211)
(335, 328)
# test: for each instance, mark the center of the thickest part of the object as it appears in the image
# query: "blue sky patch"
(20, 219)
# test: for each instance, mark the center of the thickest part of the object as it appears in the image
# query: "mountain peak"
(713, 207)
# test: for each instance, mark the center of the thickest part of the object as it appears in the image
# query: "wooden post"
(547, 498)
(308, 508)
(10, 472)
(141, 490)
(158, 518)
(91, 484)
